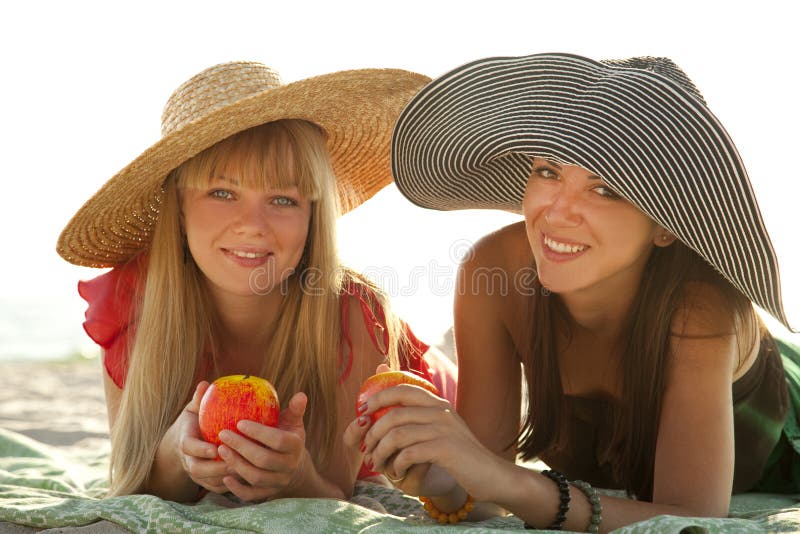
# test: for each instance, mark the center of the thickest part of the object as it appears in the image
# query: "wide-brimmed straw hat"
(356, 109)
(467, 140)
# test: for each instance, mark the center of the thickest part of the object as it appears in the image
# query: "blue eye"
(284, 201)
(222, 194)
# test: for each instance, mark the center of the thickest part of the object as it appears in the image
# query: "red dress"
(108, 323)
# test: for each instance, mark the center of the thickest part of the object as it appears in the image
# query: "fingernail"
(362, 407)
(363, 447)
(368, 465)
(362, 421)
(223, 452)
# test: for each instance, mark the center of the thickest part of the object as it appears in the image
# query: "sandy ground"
(60, 404)
(57, 403)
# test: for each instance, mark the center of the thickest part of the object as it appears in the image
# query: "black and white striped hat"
(467, 139)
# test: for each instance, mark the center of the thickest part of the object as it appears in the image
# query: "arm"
(284, 468)
(183, 461)
(488, 383)
(694, 455)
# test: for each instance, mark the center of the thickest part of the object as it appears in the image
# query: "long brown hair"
(643, 367)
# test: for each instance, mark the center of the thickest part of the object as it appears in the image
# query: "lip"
(262, 255)
(560, 257)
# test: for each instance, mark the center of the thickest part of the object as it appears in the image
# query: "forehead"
(575, 170)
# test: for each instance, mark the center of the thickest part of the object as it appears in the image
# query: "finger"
(207, 473)
(291, 419)
(199, 391)
(354, 432)
(399, 439)
(403, 395)
(443, 418)
(198, 448)
(277, 439)
(382, 368)
(247, 492)
(251, 456)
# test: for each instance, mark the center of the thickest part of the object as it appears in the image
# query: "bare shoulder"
(506, 248)
(494, 278)
(703, 312)
(706, 331)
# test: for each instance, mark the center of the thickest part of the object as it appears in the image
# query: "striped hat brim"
(466, 141)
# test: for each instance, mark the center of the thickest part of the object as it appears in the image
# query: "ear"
(663, 237)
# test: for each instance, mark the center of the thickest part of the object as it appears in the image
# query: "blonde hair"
(177, 321)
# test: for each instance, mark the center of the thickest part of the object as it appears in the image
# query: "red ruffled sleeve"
(108, 317)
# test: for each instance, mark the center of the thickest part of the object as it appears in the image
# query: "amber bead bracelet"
(447, 517)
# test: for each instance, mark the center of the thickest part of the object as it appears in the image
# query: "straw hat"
(467, 139)
(356, 109)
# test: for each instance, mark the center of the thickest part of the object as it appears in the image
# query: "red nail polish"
(362, 407)
(363, 447)
(362, 421)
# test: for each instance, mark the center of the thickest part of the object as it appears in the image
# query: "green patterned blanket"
(41, 487)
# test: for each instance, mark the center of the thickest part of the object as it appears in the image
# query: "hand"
(266, 462)
(197, 456)
(427, 429)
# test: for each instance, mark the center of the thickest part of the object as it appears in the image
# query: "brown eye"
(546, 173)
(607, 192)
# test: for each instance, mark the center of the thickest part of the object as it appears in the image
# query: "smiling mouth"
(563, 248)
(248, 254)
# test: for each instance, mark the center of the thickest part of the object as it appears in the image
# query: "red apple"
(381, 381)
(229, 399)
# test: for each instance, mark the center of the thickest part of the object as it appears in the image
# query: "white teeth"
(563, 248)
(249, 255)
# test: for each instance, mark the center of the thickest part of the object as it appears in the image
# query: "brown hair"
(645, 344)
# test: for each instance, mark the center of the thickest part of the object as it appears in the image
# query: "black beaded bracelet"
(563, 492)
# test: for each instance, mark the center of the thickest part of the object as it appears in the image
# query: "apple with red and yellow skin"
(380, 381)
(229, 399)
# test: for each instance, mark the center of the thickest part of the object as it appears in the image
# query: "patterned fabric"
(41, 488)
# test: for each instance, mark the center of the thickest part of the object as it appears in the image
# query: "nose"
(563, 209)
(251, 220)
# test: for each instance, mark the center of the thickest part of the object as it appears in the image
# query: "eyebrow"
(557, 166)
(223, 178)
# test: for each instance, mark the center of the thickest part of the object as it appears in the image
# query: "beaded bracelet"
(594, 502)
(448, 517)
(563, 492)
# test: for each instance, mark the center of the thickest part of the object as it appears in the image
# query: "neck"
(246, 324)
(602, 310)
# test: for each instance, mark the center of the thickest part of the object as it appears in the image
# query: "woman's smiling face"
(233, 230)
(583, 234)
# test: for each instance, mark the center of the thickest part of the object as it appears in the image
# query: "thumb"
(291, 418)
(199, 391)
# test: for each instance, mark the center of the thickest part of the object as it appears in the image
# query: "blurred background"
(83, 86)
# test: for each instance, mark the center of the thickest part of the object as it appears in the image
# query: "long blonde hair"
(176, 320)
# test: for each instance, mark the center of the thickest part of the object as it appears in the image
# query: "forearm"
(167, 478)
(313, 484)
(535, 499)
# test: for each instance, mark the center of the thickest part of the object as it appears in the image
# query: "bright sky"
(84, 84)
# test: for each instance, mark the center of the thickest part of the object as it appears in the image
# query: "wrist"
(450, 501)
(448, 515)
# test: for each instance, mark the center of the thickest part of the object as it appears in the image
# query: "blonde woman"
(222, 239)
